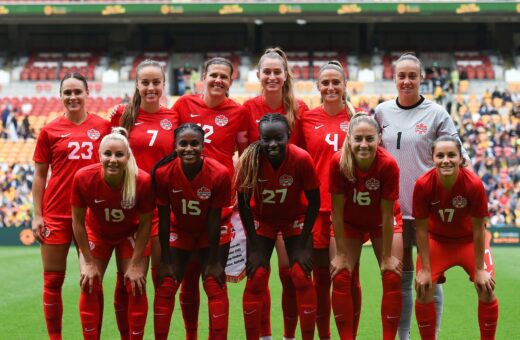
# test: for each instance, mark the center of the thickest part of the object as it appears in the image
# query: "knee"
(53, 280)
(168, 288)
(342, 281)
(299, 278)
(391, 282)
(258, 283)
(213, 288)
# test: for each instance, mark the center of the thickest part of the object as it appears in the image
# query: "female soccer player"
(277, 175)
(150, 128)
(278, 97)
(450, 210)
(323, 132)
(196, 189)
(120, 201)
(364, 185)
(225, 124)
(65, 145)
(410, 124)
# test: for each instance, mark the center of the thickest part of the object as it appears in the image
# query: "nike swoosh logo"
(385, 126)
(433, 203)
(89, 329)
(257, 120)
(338, 316)
(136, 333)
(48, 304)
(490, 324)
(186, 303)
(66, 135)
(262, 180)
(193, 116)
(218, 315)
(249, 312)
(138, 123)
(318, 127)
(422, 326)
(99, 201)
(176, 191)
(389, 317)
(309, 311)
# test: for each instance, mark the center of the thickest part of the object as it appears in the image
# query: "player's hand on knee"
(423, 283)
(392, 264)
(164, 270)
(484, 282)
(216, 270)
(137, 278)
(254, 261)
(89, 273)
(339, 263)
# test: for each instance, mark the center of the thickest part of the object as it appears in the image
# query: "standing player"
(410, 124)
(112, 205)
(278, 97)
(196, 189)
(65, 145)
(450, 211)
(277, 175)
(150, 128)
(364, 180)
(225, 124)
(323, 132)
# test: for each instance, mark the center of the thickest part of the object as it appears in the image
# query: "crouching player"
(112, 204)
(281, 179)
(450, 208)
(196, 189)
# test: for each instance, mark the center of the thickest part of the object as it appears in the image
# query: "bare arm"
(40, 179)
(484, 282)
(339, 262)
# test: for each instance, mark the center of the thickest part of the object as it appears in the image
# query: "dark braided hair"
(248, 165)
(167, 159)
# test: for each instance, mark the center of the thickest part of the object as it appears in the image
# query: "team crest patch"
(127, 204)
(46, 232)
(286, 180)
(421, 128)
(221, 120)
(372, 184)
(459, 201)
(344, 126)
(93, 134)
(91, 245)
(166, 124)
(257, 224)
(203, 193)
(173, 237)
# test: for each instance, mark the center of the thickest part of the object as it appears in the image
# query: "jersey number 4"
(80, 151)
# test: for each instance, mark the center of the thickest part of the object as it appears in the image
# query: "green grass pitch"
(21, 315)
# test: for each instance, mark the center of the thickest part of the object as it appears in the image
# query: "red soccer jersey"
(151, 137)
(222, 125)
(279, 196)
(449, 213)
(108, 216)
(257, 108)
(190, 201)
(363, 197)
(323, 135)
(67, 147)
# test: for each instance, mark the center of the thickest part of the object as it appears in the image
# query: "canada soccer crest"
(93, 134)
(166, 124)
(221, 120)
(459, 201)
(372, 184)
(203, 193)
(421, 128)
(173, 237)
(286, 180)
(344, 126)
(91, 245)
(127, 204)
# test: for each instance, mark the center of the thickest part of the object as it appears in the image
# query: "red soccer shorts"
(365, 233)
(322, 230)
(101, 247)
(57, 231)
(291, 229)
(445, 255)
(188, 240)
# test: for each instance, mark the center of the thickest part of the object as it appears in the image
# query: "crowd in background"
(490, 136)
